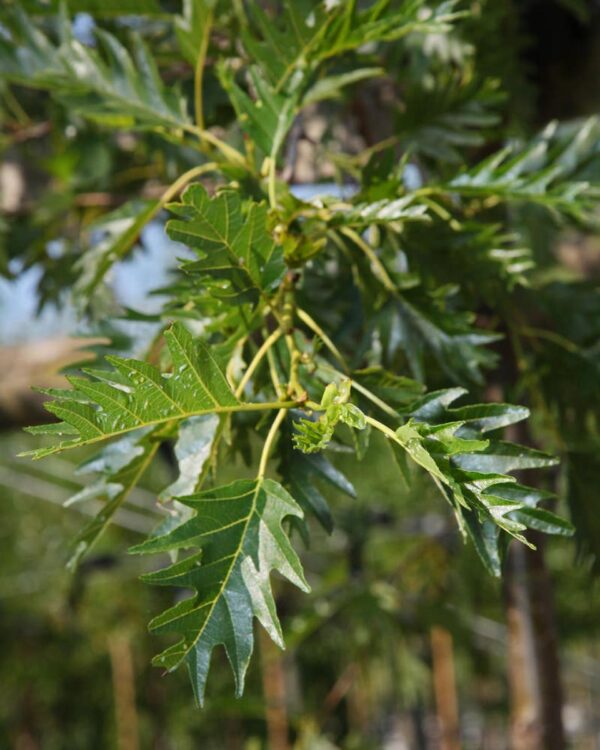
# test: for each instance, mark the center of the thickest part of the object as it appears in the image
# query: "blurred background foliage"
(397, 599)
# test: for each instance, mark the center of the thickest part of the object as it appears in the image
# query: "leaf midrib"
(223, 587)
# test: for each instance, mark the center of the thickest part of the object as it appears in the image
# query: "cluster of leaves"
(335, 314)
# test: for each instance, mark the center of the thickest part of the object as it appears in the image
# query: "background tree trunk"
(444, 686)
(123, 673)
(274, 689)
(533, 663)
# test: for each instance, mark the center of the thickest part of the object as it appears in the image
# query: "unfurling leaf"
(312, 436)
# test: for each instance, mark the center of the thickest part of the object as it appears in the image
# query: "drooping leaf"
(195, 440)
(473, 473)
(117, 233)
(455, 115)
(456, 346)
(114, 87)
(120, 466)
(238, 530)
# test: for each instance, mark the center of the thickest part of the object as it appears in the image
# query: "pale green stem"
(387, 431)
(375, 399)
(264, 459)
(272, 188)
(13, 103)
(258, 406)
(182, 181)
(316, 328)
(442, 213)
(266, 345)
(555, 338)
(279, 388)
(371, 255)
(169, 193)
(231, 154)
(199, 72)
(294, 385)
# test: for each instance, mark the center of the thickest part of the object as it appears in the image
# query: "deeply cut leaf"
(238, 530)
(233, 241)
(135, 394)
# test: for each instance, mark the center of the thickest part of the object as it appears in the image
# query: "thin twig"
(199, 72)
(266, 345)
(264, 459)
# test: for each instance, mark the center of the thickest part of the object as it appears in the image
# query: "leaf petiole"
(266, 345)
(264, 459)
(199, 72)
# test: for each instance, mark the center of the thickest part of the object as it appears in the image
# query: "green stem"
(279, 388)
(375, 262)
(552, 336)
(264, 459)
(13, 103)
(272, 187)
(387, 431)
(316, 328)
(294, 386)
(232, 155)
(199, 72)
(181, 182)
(132, 232)
(266, 345)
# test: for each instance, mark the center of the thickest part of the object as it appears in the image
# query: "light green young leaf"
(313, 436)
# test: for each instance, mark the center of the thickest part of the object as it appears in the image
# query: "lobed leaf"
(238, 531)
(115, 87)
(232, 240)
(135, 394)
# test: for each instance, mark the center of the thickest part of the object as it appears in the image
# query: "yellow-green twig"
(316, 328)
(264, 459)
(264, 348)
(199, 72)
(232, 155)
(378, 266)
